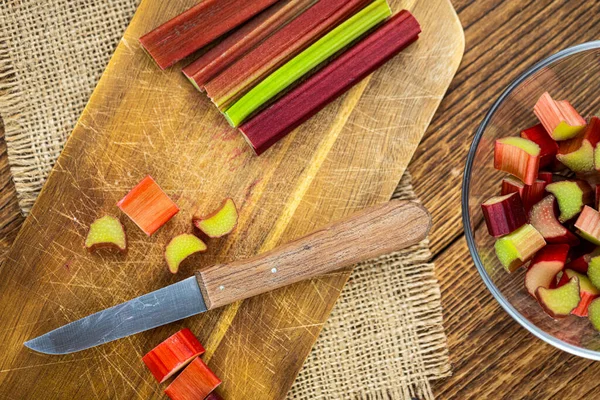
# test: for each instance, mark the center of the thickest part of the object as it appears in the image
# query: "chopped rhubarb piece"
(578, 153)
(546, 176)
(313, 57)
(582, 262)
(587, 291)
(220, 222)
(588, 225)
(571, 197)
(504, 214)
(544, 267)
(593, 271)
(235, 46)
(543, 218)
(530, 194)
(559, 118)
(197, 27)
(180, 248)
(106, 232)
(148, 206)
(243, 75)
(311, 96)
(519, 157)
(516, 248)
(197, 381)
(173, 354)
(559, 302)
(548, 147)
(594, 314)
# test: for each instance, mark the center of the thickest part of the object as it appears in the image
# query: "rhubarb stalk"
(197, 27)
(560, 119)
(303, 31)
(311, 58)
(242, 41)
(548, 146)
(340, 75)
(578, 153)
(504, 214)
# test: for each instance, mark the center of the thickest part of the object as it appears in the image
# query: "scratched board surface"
(141, 121)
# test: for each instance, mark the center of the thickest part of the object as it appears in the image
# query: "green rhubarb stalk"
(340, 37)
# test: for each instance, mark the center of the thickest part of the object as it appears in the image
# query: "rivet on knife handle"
(368, 234)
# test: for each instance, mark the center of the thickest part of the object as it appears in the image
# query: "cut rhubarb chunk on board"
(220, 222)
(548, 147)
(504, 214)
(516, 248)
(173, 354)
(106, 232)
(530, 194)
(148, 206)
(587, 291)
(197, 381)
(543, 218)
(588, 225)
(560, 119)
(519, 157)
(594, 314)
(197, 27)
(593, 271)
(572, 196)
(559, 302)
(544, 267)
(578, 154)
(180, 248)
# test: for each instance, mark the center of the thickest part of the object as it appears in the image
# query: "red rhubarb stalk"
(530, 194)
(173, 354)
(288, 42)
(197, 381)
(544, 267)
(504, 214)
(518, 157)
(242, 41)
(560, 119)
(588, 225)
(548, 146)
(341, 74)
(197, 27)
(543, 217)
(546, 176)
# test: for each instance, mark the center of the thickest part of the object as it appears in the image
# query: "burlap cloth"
(384, 338)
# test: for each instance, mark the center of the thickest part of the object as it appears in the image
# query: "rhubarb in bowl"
(523, 262)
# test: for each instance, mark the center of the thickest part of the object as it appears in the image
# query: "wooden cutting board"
(143, 121)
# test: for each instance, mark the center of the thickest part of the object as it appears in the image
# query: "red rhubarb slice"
(587, 291)
(106, 232)
(242, 41)
(588, 225)
(148, 206)
(288, 42)
(197, 27)
(197, 381)
(530, 194)
(543, 218)
(546, 176)
(308, 98)
(578, 153)
(173, 354)
(571, 197)
(559, 302)
(504, 214)
(544, 267)
(518, 247)
(220, 222)
(559, 118)
(519, 157)
(180, 248)
(548, 147)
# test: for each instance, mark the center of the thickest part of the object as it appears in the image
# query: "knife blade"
(368, 234)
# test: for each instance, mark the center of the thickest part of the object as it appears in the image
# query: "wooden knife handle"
(367, 234)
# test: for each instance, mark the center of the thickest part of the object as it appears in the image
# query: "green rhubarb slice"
(514, 249)
(526, 145)
(180, 248)
(581, 160)
(221, 222)
(326, 47)
(594, 314)
(585, 284)
(561, 301)
(594, 271)
(106, 232)
(569, 197)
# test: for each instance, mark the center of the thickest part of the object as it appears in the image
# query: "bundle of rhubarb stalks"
(275, 64)
(547, 211)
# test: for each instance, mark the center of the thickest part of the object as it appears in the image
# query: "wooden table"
(492, 356)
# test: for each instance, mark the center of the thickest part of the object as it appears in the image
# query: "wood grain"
(139, 121)
(368, 234)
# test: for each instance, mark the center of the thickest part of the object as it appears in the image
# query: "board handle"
(368, 234)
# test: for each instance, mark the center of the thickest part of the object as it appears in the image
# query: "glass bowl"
(574, 75)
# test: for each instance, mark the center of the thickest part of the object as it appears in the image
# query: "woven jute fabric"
(384, 339)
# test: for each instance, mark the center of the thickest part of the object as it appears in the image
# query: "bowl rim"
(504, 303)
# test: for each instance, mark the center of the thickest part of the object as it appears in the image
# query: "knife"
(368, 234)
